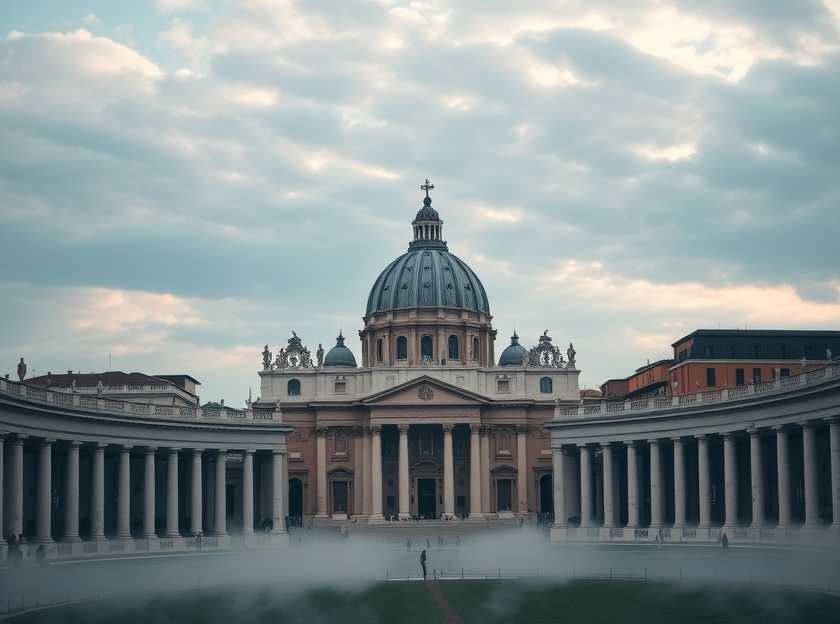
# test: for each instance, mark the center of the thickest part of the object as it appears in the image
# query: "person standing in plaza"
(423, 563)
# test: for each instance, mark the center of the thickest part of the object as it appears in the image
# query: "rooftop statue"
(21, 369)
(570, 355)
(266, 358)
(295, 355)
(545, 354)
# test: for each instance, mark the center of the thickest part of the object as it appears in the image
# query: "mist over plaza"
(419, 311)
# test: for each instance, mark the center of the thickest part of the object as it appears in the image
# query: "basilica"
(431, 425)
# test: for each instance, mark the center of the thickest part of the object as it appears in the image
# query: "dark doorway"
(340, 497)
(295, 502)
(426, 349)
(546, 495)
(426, 498)
(503, 495)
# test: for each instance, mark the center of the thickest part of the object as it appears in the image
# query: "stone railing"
(131, 408)
(779, 385)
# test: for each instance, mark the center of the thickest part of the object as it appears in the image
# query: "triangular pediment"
(425, 390)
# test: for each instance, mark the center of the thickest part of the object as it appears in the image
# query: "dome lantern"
(428, 226)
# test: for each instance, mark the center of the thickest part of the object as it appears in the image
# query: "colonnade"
(649, 483)
(368, 465)
(12, 492)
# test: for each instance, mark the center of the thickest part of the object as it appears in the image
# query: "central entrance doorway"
(427, 498)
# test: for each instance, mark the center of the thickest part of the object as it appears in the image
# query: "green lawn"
(485, 602)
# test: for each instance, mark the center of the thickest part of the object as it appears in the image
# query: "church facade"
(430, 425)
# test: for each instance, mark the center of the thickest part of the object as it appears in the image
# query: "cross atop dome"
(428, 226)
(428, 186)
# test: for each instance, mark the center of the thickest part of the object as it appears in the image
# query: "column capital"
(677, 440)
(630, 443)
(126, 447)
(403, 428)
(475, 428)
(173, 450)
(486, 430)
(47, 441)
(249, 451)
(701, 436)
(521, 428)
(321, 431)
(73, 443)
(276, 451)
(19, 438)
(778, 428)
(807, 424)
(753, 431)
(100, 446)
(604, 445)
(582, 445)
(375, 428)
(198, 451)
(223, 451)
(150, 450)
(832, 420)
(447, 427)
(653, 441)
(728, 435)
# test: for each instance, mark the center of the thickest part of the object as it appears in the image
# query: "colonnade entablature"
(762, 467)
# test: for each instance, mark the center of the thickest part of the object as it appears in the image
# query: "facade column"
(756, 479)
(376, 473)
(522, 468)
(809, 441)
(366, 472)
(834, 441)
(124, 494)
(321, 468)
(404, 510)
(783, 476)
(448, 472)
(485, 469)
(609, 484)
(632, 486)
(585, 486)
(15, 520)
(657, 491)
(679, 483)
(248, 492)
(358, 473)
(44, 523)
(220, 524)
(475, 472)
(149, 493)
(172, 494)
(278, 492)
(705, 488)
(730, 480)
(196, 520)
(558, 480)
(2, 491)
(97, 494)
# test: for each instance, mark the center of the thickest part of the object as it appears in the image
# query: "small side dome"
(340, 355)
(514, 354)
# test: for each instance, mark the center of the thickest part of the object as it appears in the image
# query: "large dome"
(427, 278)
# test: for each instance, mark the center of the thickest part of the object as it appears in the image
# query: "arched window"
(546, 385)
(475, 348)
(426, 350)
(293, 387)
(402, 348)
(379, 350)
(453, 348)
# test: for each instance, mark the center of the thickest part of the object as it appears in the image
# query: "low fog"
(320, 558)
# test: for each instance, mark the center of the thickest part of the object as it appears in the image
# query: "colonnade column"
(679, 483)
(196, 520)
(783, 476)
(834, 441)
(124, 494)
(2, 492)
(404, 509)
(376, 473)
(730, 480)
(475, 472)
(248, 492)
(609, 484)
(704, 484)
(172, 494)
(809, 443)
(97, 494)
(485, 469)
(657, 491)
(15, 521)
(585, 486)
(149, 493)
(522, 468)
(220, 525)
(44, 524)
(321, 468)
(448, 472)
(756, 479)
(632, 486)
(278, 490)
(558, 480)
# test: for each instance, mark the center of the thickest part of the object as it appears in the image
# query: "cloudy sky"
(183, 181)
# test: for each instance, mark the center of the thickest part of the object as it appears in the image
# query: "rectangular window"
(710, 378)
(756, 375)
(340, 387)
(739, 376)
(785, 372)
(502, 386)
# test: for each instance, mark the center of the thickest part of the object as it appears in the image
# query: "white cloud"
(170, 6)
